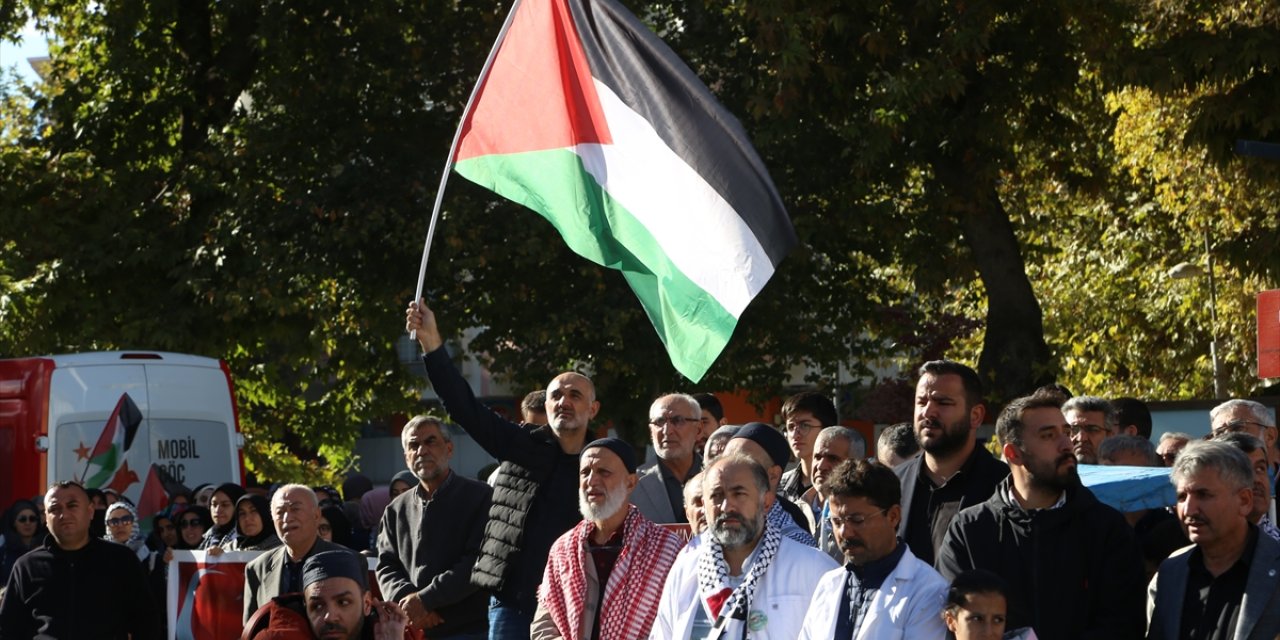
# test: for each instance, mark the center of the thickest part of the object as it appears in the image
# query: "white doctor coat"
(907, 605)
(778, 607)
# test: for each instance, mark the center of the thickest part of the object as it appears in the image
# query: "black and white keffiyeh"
(713, 576)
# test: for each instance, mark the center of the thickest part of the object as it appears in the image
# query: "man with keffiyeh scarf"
(726, 587)
(604, 577)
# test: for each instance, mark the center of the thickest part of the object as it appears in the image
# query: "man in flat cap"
(768, 447)
(335, 604)
(604, 576)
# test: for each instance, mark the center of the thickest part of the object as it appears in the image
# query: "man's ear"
(769, 498)
(977, 413)
(1129, 430)
(1011, 454)
(368, 602)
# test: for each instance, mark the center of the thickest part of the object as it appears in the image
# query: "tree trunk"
(1015, 359)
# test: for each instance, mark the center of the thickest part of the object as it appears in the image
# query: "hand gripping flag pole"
(453, 153)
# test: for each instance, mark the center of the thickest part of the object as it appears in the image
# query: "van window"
(193, 452)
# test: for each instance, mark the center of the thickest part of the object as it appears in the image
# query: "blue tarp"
(1129, 488)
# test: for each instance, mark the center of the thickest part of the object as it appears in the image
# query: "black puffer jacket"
(535, 497)
(1073, 572)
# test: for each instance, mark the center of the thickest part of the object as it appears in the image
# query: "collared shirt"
(1211, 605)
(933, 508)
(427, 496)
(860, 584)
(675, 486)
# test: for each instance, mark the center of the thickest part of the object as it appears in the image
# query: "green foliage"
(999, 182)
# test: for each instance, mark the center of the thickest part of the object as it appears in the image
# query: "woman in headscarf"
(122, 527)
(254, 529)
(334, 526)
(353, 489)
(222, 507)
(21, 531)
(192, 525)
(372, 504)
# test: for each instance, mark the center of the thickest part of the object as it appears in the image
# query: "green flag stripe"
(691, 323)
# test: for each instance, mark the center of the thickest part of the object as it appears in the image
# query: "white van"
(138, 422)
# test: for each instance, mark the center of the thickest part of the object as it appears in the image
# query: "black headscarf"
(235, 492)
(340, 525)
(263, 508)
(205, 521)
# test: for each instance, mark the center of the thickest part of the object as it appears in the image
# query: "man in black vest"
(535, 495)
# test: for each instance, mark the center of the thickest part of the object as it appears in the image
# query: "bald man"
(535, 493)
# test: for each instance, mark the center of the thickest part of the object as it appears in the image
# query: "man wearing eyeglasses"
(77, 586)
(1073, 563)
(1253, 418)
(804, 415)
(675, 422)
(1092, 420)
(883, 591)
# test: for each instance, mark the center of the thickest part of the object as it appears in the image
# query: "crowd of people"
(736, 531)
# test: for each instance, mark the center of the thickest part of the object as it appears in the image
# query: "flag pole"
(453, 151)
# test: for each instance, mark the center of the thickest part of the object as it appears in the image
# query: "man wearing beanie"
(335, 604)
(604, 577)
(769, 449)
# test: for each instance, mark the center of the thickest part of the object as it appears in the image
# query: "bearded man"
(1073, 564)
(604, 577)
(746, 577)
(954, 472)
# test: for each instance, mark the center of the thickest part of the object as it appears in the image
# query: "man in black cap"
(339, 604)
(604, 577)
(769, 449)
(335, 604)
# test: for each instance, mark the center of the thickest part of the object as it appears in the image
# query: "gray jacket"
(650, 495)
(262, 576)
(1259, 612)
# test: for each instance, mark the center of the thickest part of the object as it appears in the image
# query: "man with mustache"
(604, 577)
(1224, 585)
(745, 580)
(883, 591)
(1072, 563)
(535, 486)
(430, 538)
(675, 423)
(833, 447)
(954, 472)
(1092, 421)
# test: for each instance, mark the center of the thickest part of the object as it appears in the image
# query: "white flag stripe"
(697, 229)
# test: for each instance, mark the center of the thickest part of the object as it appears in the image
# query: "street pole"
(1219, 387)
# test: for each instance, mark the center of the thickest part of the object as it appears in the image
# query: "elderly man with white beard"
(746, 579)
(604, 576)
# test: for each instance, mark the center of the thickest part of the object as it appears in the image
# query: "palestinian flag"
(588, 118)
(117, 436)
(156, 491)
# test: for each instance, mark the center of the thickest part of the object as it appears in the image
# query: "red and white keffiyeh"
(629, 603)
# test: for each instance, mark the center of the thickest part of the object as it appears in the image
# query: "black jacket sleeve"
(501, 438)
